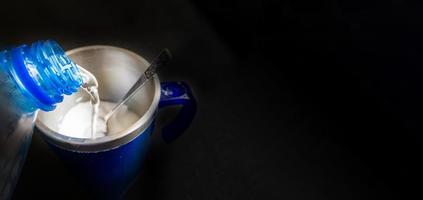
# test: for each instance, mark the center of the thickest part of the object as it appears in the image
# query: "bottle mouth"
(44, 70)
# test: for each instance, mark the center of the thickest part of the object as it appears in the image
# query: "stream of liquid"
(90, 86)
(95, 104)
(87, 117)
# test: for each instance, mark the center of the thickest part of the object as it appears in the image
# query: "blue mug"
(108, 165)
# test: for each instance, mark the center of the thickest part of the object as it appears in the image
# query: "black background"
(297, 99)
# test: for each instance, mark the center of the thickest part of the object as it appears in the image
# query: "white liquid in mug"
(86, 119)
(78, 123)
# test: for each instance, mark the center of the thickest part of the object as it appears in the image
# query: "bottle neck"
(44, 74)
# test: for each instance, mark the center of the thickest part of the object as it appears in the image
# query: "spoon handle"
(162, 59)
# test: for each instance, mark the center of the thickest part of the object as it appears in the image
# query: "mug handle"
(177, 93)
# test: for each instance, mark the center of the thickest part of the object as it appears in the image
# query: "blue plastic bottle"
(32, 77)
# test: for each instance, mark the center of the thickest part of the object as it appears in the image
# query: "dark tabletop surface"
(297, 100)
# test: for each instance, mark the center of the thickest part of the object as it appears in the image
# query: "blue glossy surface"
(177, 94)
(42, 73)
(31, 77)
(109, 172)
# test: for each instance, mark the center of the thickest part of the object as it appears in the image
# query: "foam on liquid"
(78, 122)
(86, 119)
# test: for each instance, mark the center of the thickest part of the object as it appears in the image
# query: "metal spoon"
(162, 59)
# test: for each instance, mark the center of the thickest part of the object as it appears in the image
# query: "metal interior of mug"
(116, 70)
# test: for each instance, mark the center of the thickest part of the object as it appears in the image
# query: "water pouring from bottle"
(105, 117)
(90, 86)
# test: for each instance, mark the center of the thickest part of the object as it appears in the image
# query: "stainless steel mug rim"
(108, 142)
